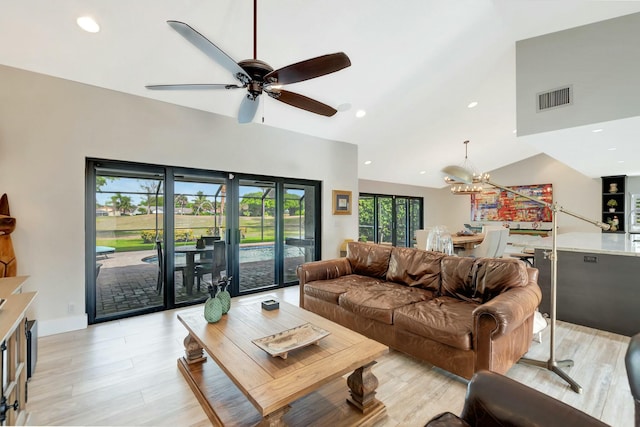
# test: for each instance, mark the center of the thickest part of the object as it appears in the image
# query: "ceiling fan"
(257, 76)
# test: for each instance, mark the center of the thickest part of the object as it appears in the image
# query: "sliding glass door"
(199, 215)
(299, 220)
(127, 220)
(158, 235)
(256, 251)
(276, 231)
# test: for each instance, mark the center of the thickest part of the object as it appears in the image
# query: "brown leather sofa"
(460, 314)
(495, 400)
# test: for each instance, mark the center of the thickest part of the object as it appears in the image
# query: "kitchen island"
(598, 280)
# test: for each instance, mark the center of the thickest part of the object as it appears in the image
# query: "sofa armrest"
(503, 327)
(508, 310)
(321, 270)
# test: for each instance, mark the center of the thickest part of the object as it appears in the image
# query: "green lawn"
(124, 232)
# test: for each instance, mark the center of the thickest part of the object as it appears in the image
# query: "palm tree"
(121, 203)
(180, 201)
(198, 203)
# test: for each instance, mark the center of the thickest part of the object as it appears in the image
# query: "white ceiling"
(416, 65)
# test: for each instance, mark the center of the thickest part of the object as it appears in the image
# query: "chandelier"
(464, 179)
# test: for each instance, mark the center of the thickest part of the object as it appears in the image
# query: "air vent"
(555, 98)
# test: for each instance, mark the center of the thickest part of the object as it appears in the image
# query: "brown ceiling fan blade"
(196, 86)
(303, 102)
(309, 69)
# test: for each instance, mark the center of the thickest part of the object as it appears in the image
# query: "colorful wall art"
(494, 204)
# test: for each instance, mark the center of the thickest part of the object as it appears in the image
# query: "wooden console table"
(13, 369)
(11, 285)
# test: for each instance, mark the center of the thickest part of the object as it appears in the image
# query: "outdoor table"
(190, 252)
(104, 251)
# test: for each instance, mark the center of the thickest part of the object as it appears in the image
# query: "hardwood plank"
(412, 390)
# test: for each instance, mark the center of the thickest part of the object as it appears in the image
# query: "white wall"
(49, 126)
(571, 189)
(600, 60)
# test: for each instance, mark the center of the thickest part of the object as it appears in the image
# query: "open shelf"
(613, 196)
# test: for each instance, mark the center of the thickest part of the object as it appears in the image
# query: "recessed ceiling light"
(367, 162)
(472, 104)
(596, 130)
(515, 131)
(423, 172)
(612, 149)
(360, 114)
(620, 161)
(88, 24)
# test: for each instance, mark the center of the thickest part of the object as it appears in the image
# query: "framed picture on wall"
(499, 205)
(341, 202)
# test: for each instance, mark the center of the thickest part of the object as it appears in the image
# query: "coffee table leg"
(274, 419)
(193, 352)
(362, 386)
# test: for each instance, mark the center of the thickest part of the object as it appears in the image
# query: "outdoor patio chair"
(216, 266)
(177, 267)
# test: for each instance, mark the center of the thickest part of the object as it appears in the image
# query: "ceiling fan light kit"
(257, 76)
(464, 179)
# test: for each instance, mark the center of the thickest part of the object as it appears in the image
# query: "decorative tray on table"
(282, 343)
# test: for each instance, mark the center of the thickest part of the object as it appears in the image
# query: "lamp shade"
(460, 174)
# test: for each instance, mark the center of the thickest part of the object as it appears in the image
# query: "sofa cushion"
(379, 301)
(458, 278)
(446, 320)
(368, 259)
(496, 275)
(329, 290)
(415, 267)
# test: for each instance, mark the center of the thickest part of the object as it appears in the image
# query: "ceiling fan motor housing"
(256, 69)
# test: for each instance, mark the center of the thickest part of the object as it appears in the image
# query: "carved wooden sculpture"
(8, 264)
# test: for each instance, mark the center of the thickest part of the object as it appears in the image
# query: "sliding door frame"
(168, 174)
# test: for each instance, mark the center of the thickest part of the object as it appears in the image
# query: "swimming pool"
(266, 252)
(248, 253)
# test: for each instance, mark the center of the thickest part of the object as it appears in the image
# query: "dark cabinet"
(614, 203)
(596, 290)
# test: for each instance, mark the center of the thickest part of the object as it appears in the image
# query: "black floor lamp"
(457, 175)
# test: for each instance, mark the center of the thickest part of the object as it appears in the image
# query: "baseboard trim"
(61, 325)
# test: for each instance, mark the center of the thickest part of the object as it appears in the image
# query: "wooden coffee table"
(244, 378)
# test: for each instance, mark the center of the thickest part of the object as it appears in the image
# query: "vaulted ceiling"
(416, 66)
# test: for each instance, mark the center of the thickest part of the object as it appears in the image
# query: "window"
(388, 219)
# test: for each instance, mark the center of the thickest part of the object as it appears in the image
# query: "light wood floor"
(124, 373)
